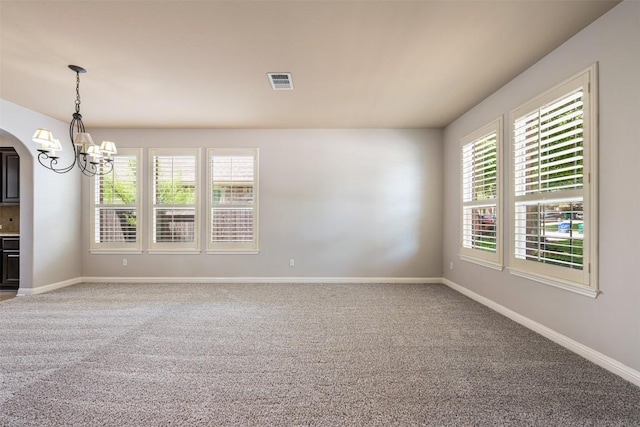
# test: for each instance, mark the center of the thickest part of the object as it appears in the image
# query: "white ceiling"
(203, 64)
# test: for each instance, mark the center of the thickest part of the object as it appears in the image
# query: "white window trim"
(120, 247)
(585, 281)
(492, 260)
(177, 248)
(251, 248)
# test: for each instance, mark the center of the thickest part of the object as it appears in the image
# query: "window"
(174, 192)
(115, 207)
(233, 200)
(553, 186)
(481, 223)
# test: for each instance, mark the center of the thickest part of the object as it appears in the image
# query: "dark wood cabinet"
(10, 176)
(10, 268)
(10, 196)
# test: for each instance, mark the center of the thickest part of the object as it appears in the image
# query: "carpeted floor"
(290, 355)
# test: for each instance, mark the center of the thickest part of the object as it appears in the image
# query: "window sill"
(482, 262)
(228, 252)
(173, 252)
(556, 283)
(115, 251)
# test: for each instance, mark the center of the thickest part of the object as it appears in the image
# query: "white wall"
(342, 203)
(49, 203)
(609, 324)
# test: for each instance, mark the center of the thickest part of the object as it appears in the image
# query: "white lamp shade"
(44, 137)
(55, 146)
(94, 151)
(83, 138)
(108, 147)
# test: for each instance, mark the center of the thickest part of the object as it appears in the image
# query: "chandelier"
(90, 158)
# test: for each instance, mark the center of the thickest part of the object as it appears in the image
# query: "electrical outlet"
(451, 265)
(124, 262)
(292, 262)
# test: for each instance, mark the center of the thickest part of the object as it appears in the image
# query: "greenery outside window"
(554, 184)
(115, 206)
(481, 222)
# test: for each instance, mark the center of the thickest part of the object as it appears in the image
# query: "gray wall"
(49, 203)
(342, 203)
(609, 324)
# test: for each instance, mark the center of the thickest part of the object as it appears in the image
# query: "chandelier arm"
(89, 168)
(53, 161)
(107, 168)
(85, 166)
(73, 146)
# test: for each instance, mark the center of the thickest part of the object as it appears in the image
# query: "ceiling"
(204, 64)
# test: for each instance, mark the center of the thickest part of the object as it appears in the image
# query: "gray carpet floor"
(289, 355)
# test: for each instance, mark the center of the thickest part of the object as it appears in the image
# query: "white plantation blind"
(551, 140)
(174, 198)
(232, 203)
(479, 178)
(549, 147)
(115, 204)
(479, 169)
(548, 159)
(480, 193)
(550, 233)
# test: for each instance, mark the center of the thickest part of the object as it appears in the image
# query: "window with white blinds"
(233, 200)
(174, 191)
(553, 178)
(480, 208)
(115, 206)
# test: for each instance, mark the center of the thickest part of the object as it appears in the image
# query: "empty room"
(322, 213)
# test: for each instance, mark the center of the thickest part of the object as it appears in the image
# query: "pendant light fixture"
(90, 158)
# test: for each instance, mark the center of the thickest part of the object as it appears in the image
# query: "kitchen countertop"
(10, 234)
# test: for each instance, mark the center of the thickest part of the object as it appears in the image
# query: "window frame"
(118, 247)
(252, 247)
(584, 281)
(174, 247)
(489, 259)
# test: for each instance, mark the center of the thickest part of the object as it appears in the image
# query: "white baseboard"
(25, 292)
(588, 353)
(75, 281)
(261, 280)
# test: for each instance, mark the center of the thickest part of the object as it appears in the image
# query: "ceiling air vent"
(280, 81)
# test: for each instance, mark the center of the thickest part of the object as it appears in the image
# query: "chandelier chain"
(77, 92)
